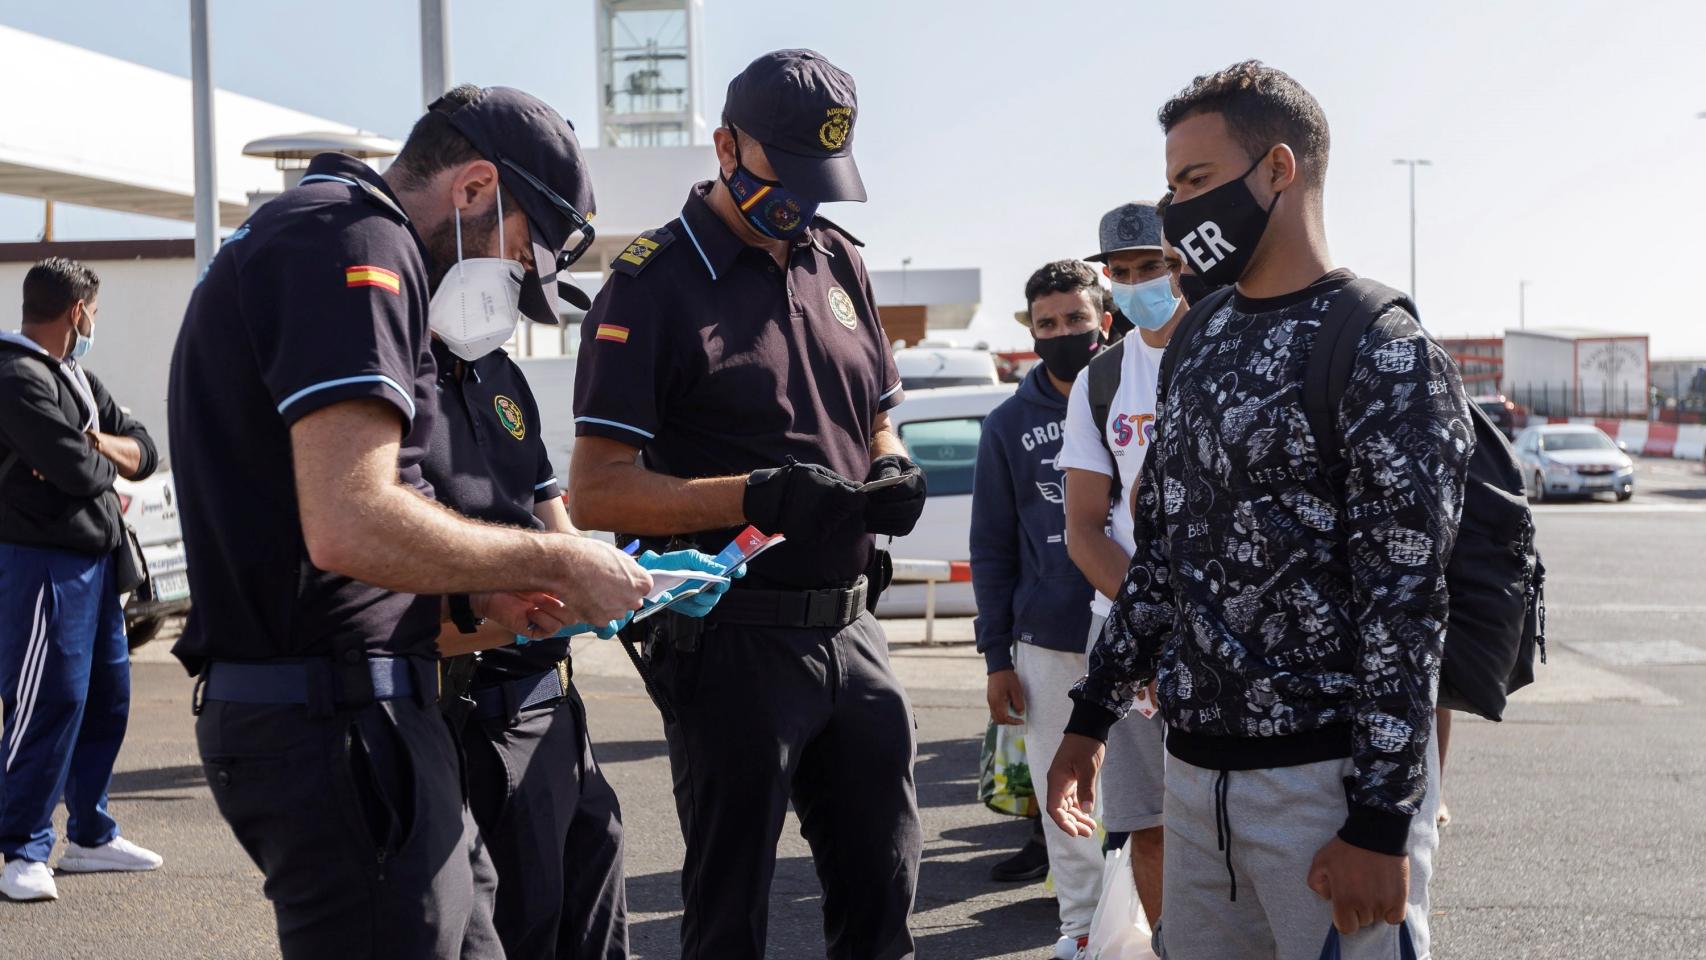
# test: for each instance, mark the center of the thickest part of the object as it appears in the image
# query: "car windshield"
(1576, 440)
(946, 450)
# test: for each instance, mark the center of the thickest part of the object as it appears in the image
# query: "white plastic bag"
(1119, 930)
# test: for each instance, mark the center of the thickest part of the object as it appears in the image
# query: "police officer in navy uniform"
(302, 394)
(733, 371)
(545, 812)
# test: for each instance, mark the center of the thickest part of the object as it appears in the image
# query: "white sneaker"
(118, 854)
(1068, 948)
(28, 880)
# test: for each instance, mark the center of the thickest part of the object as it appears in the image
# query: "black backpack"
(1494, 578)
(1102, 382)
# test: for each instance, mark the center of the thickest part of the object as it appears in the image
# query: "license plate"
(172, 586)
(1596, 484)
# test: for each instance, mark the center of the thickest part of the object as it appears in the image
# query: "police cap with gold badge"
(802, 109)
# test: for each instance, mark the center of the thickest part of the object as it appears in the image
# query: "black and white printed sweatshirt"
(1284, 619)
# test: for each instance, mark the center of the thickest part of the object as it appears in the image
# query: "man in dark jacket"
(64, 664)
(1033, 604)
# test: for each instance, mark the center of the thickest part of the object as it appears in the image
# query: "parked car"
(1573, 460)
(1501, 410)
(150, 508)
(929, 365)
(940, 428)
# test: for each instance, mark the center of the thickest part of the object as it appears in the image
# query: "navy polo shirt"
(486, 459)
(320, 298)
(714, 361)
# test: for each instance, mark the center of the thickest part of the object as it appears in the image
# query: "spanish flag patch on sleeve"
(613, 333)
(367, 275)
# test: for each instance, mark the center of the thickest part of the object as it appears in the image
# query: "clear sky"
(993, 134)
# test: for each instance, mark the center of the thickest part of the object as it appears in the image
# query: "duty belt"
(505, 700)
(311, 681)
(835, 607)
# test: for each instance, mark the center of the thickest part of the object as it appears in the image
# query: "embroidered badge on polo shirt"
(509, 414)
(841, 305)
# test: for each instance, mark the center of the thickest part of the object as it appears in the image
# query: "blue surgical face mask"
(771, 208)
(85, 342)
(1150, 304)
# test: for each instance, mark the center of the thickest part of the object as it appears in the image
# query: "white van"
(940, 428)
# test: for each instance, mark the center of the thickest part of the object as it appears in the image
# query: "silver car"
(1573, 460)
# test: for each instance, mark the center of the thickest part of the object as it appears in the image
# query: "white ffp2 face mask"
(475, 309)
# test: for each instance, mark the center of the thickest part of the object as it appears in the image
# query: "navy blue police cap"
(542, 169)
(802, 109)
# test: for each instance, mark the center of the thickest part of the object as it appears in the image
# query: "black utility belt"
(835, 607)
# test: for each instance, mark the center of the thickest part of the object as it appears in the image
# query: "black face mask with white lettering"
(1217, 232)
(1065, 356)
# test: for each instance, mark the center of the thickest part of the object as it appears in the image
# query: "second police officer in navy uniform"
(302, 396)
(545, 812)
(733, 371)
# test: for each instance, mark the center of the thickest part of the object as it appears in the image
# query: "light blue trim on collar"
(689, 228)
(317, 177)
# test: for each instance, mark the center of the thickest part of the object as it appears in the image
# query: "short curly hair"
(1263, 107)
(1063, 276)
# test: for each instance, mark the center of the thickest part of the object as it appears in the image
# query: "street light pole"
(435, 50)
(201, 98)
(1413, 164)
(1522, 304)
(904, 263)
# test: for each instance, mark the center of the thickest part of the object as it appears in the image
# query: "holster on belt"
(878, 577)
(456, 677)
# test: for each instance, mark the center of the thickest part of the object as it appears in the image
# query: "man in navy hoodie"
(1033, 611)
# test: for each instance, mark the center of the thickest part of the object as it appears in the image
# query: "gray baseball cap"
(1129, 226)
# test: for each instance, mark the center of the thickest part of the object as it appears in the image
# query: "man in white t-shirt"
(1109, 421)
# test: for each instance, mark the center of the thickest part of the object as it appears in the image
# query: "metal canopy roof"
(117, 135)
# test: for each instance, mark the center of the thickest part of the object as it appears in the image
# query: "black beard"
(478, 235)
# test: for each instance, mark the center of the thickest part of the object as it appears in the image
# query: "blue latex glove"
(574, 629)
(699, 604)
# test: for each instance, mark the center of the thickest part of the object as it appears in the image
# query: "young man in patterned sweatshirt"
(1293, 625)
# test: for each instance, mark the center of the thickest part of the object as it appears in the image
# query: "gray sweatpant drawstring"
(1223, 829)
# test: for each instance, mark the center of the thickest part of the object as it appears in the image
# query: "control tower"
(648, 73)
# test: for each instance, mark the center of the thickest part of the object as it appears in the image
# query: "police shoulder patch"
(638, 254)
(822, 221)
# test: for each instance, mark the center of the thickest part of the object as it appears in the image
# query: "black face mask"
(1065, 356)
(1217, 232)
(1195, 289)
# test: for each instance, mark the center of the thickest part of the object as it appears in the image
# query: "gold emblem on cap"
(834, 131)
(841, 305)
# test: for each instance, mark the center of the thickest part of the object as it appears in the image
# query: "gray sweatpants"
(1280, 818)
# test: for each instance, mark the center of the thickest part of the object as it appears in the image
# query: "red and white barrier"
(1683, 441)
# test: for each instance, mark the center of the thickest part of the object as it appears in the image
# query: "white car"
(1573, 460)
(932, 365)
(150, 507)
(940, 428)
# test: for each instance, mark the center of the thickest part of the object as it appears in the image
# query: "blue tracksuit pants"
(65, 683)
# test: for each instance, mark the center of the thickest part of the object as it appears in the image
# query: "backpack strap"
(1189, 324)
(1103, 383)
(1328, 372)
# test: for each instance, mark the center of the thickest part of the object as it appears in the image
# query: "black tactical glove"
(893, 511)
(803, 500)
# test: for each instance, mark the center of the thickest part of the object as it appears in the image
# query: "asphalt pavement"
(1578, 825)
